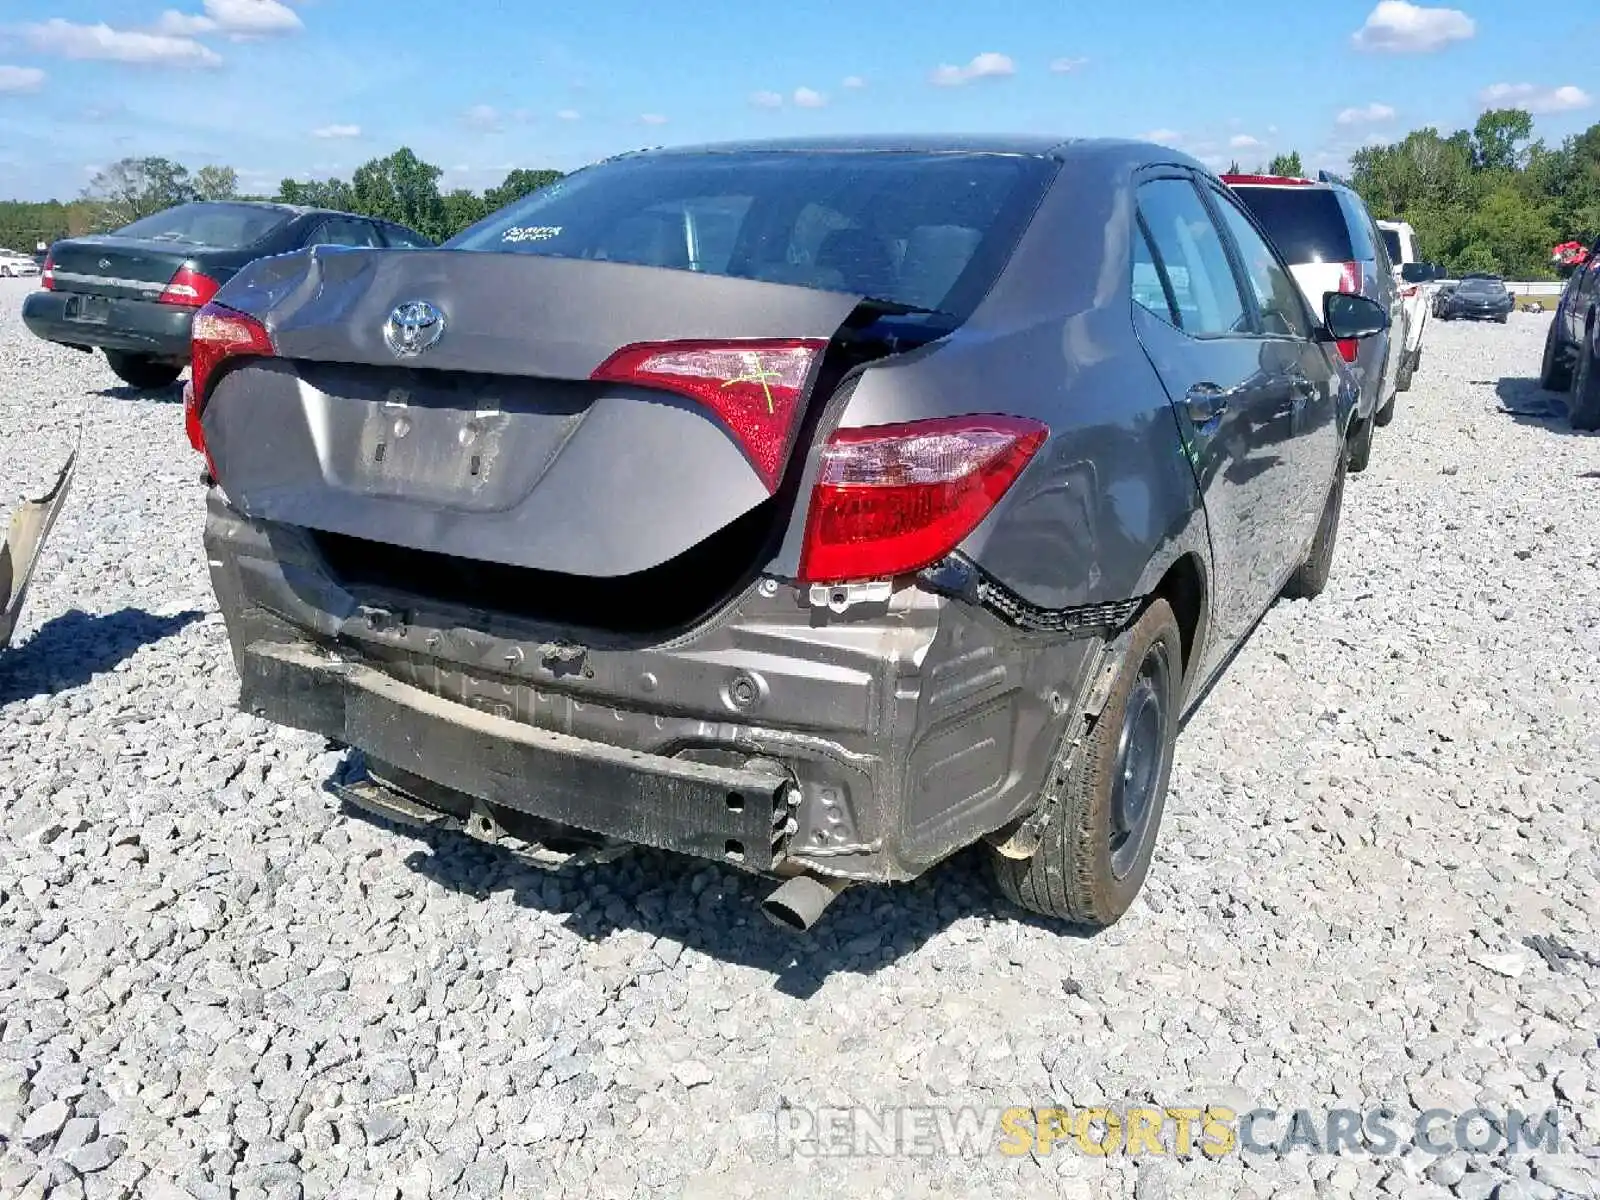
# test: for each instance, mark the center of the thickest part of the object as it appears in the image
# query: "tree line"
(1490, 198)
(398, 187)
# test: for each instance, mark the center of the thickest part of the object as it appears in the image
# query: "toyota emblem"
(412, 328)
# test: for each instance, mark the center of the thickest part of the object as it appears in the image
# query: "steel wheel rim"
(1140, 762)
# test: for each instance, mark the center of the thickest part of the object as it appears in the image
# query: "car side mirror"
(1349, 317)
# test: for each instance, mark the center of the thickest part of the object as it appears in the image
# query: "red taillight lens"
(188, 288)
(47, 274)
(894, 498)
(753, 387)
(1350, 283)
(218, 333)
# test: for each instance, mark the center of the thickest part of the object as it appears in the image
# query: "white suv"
(1415, 281)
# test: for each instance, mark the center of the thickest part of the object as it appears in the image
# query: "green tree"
(402, 188)
(317, 193)
(517, 185)
(216, 183)
(137, 187)
(1287, 164)
(1497, 139)
(461, 209)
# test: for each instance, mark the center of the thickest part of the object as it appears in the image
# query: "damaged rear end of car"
(584, 541)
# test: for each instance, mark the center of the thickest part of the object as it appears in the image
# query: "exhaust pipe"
(798, 903)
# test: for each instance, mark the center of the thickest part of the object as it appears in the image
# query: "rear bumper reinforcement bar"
(735, 815)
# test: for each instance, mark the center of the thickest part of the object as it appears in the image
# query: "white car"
(15, 263)
(1415, 281)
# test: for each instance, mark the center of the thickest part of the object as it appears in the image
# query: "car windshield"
(224, 226)
(926, 231)
(1480, 287)
(1391, 241)
(1307, 224)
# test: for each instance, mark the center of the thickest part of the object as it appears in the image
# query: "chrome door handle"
(1205, 402)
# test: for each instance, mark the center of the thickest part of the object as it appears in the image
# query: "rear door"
(1310, 382)
(1229, 388)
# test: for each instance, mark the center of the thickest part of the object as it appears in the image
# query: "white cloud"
(1243, 141)
(853, 83)
(1398, 27)
(1065, 66)
(241, 20)
(806, 98)
(329, 132)
(653, 119)
(105, 44)
(766, 99)
(20, 79)
(482, 117)
(1535, 99)
(568, 114)
(985, 66)
(1368, 114)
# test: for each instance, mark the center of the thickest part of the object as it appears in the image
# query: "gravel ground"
(213, 983)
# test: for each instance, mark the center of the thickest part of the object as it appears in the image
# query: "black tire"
(1502, 319)
(1359, 445)
(1311, 576)
(1402, 383)
(143, 372)
(1555, 373)
(1089, 867)
(1584, 404)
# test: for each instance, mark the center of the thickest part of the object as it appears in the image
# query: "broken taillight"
(218, 333)
(188, 288)
(754, 388)
(890, 499)
(1350, 284)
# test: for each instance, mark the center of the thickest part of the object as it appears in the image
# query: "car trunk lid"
(125, 268)
(530, 431)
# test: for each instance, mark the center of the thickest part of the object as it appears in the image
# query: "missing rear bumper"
(736, 815)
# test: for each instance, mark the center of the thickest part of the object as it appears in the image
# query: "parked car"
(915, 508)
(1572, 346)
(1414, 279)
(1327, 236)
(14, 263)
(1477, 298)
(134, 292)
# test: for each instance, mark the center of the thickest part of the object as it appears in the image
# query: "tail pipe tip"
(798, 903)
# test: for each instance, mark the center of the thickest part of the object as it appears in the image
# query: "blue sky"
(315, 87)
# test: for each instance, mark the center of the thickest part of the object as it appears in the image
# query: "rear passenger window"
(1283, 312)
(1192, 255)
(1149, 292)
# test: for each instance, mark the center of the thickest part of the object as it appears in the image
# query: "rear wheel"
(1311, 577)
(1585, 401)
(141, 371)
(1360, 445)
(1555, 373)
(1097, 847)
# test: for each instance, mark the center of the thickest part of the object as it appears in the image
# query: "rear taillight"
(218, 334)
(895, 498)
(188, 288)
(754, 388)
(47, 274)
(1349, 283)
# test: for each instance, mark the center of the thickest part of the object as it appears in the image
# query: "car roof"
(1058, 147)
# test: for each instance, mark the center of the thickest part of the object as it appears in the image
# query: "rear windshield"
(1391, 241)
(225, 226)
(929, 231)
(1307, 224)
